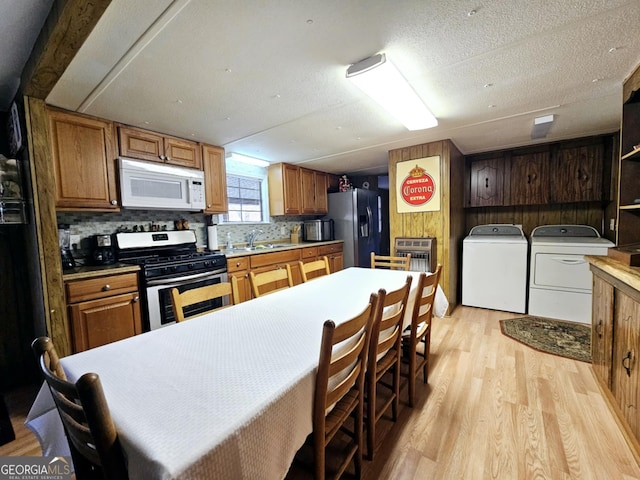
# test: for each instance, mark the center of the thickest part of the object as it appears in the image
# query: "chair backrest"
(339, 389)
(423, 305)
(319, 267)
(182, 301)
(386, 332)
(270, 279)
(340, 369)
(389, 262)
(91, 433)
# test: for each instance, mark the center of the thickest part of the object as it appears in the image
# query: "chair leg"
(371, 416)
(412, 376)
(319, 446)
(359, 425)
(396, 390)
(427, 348)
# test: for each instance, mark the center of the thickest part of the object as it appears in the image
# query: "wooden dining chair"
(384, 356)
(339, 389)
(390, 262)
(318, 268)
(270, 281)
(182, 301)
(416, 339)
(91, 433)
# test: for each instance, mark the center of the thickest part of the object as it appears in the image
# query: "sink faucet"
(253, 234)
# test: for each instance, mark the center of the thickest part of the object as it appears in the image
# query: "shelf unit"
(628, 231)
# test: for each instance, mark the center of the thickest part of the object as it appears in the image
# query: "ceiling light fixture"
(237, 157)
(379, 79)
(541, 126)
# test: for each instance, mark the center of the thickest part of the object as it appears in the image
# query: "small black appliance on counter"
(102, 250)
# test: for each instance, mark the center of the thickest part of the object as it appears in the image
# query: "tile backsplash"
(86, 224)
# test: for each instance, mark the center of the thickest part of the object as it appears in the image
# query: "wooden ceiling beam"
(67, 27)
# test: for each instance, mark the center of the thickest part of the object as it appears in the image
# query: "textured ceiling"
(267, 79)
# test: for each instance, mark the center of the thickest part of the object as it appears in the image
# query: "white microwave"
(149, 185)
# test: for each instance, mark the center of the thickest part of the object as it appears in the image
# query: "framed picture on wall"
(15, 131)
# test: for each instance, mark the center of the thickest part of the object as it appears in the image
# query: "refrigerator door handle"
(369, 220)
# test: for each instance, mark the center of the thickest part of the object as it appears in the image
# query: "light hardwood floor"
(493, 409)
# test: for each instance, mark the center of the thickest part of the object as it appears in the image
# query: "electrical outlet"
(283, 230)
(75, 239)
(612, 224)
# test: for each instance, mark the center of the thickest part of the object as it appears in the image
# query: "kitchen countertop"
(624, 273)
(93, 271)
(258, 251)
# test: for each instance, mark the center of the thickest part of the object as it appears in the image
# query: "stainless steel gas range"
(170, 259)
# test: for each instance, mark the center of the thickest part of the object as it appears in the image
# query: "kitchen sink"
(266, 246)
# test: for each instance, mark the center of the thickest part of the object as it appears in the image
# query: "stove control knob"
(174, 268)
(190, 266)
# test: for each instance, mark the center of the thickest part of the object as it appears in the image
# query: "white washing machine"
(560, 281)
(494, 268)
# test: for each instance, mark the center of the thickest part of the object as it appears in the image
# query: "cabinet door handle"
(528, 178)
(114, 202)
(486, 183)
(162, 157)
(136, 299)
(627, 367)
(237, 264)
(599, 328)
(106, 288)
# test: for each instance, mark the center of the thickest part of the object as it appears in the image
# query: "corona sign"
(417, 185)
(418, 188)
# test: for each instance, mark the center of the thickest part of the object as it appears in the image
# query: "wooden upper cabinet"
(577, 174)
(182, 152)
(529, 179)
(314, 192)
(322, 200)
(284, 189)
(154, 147)
(84, 154)
(486, 183)
(215, 179)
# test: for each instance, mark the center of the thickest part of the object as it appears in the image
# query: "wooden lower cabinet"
(239, 267)
(602, 335)
(626, 361)
(103, 310)
(334, 253)
(615, 341)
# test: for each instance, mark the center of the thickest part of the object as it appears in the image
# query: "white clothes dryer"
(560, 280)
(494, 268)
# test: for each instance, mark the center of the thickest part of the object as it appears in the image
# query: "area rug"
(566, 339)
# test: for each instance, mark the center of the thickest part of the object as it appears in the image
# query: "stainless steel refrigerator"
(356, 221)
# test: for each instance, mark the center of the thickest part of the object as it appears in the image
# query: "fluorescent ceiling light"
(245, 159)
(380, 79)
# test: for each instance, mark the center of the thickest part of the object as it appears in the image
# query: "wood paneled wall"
(586, 213)
(446, 225)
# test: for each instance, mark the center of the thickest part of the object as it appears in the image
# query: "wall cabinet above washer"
(562, 172)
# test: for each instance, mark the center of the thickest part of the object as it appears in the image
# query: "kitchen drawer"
(309, 252)
(81, 290)
(329, 249)
(237, 264)
(285, 256)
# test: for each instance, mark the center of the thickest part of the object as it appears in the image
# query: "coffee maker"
(102, 250)
(64, 240)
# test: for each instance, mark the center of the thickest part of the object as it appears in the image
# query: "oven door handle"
(188, 279)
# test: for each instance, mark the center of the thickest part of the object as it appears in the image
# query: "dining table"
(228, 394)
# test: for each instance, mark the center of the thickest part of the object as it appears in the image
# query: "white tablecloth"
(225, 395)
